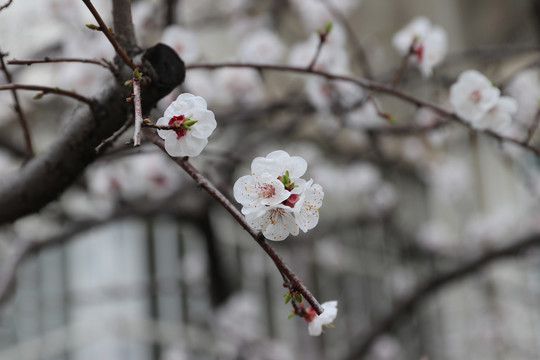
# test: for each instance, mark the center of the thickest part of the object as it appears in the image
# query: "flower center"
(291, 200)
(310, 314)
(475, 96)
(267, 191)
(178, 121)
(419, 52)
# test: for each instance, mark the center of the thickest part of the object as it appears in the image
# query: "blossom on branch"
(479, 102)
(316, 323)
(275, 199)
(193, 123)
(426, 44)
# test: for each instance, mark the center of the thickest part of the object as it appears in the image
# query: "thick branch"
(204, 183)
(422, 294)
(47, 175)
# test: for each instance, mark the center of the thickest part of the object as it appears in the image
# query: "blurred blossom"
(145, 22)
(142, 176)
(200, 82)
(266, 350)
(175, 353)
(261, 46)
(365, 116)
(237, 86)
(449, 179)
(182, 41)
(82, 205)
(239, 320)
(401, 281)
(430, 44)
(437, 237)
(36, 227)
(525, 88)
(315, 14)
(497, 226)
(414, 150)
(386, 348)
(194, 267)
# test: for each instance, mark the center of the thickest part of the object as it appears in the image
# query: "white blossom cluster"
(479, 102)
(275, 199)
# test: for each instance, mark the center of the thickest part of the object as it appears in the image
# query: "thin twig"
(403, 64)
(138, 111)
(204, 183)
(119, 50)
(369, 85)
(6, 5)
(18, 108)
(430, 287)
(110, 140)
(47, 90)
(322, 40)
(47, 60)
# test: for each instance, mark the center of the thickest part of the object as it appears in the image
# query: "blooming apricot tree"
(309, 103)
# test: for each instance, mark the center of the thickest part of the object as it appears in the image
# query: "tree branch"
(369, 85)
(47, 175)
(204, 183)
(408, 306)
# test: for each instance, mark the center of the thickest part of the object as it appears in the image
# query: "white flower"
(259, 191)
(317, 322)
(525, 88)
(417, 30)
(499, 116)
(430, 44)
(276, 223)
(473, 95)
(306, 209)
(188, 140)
(278, 162)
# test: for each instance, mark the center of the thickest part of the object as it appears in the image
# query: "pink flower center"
(267, 191)
(178, 121)
(475, 96)
(310, 314)
(291, 200)
(419, 52)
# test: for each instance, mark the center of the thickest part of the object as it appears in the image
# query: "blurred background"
(138, 263)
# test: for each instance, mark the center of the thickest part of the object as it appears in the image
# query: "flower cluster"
(477, 101)
(193, 123)
(275, 199)
(425, 43)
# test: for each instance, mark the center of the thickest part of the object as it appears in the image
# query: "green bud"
(39, 95)
(188, 123)
(291, 314)
(298, 298)
(328, 27)
(287, 297)
(137, 74)
(92, 27)
(128, 83)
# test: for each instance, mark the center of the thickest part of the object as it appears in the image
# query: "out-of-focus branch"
(18, 109)
(369, 85)
(48, 60)
(6, 5)
(47, 90)
(408, 306)
(205, 184)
